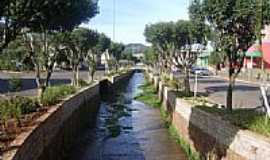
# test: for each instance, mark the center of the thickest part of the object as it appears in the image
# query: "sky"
(133, 15)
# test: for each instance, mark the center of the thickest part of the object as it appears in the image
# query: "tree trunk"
(38, 81)
(91, 74)
(186, 81)
(77, 75)
(73, 82)
(229, 102)
(48, 77)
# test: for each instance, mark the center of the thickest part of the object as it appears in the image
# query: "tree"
(183, 55)
(150, 57)
(103, 45)
(43, 60)
(45, 31)
(233, 21)
(92, 54)
(43, 15)
(174, 42)
(116, 49)
(77, 45)
(160, 35)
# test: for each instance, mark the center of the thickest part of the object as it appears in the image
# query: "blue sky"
(133, 15)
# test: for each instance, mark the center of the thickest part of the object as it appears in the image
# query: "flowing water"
(127, 130)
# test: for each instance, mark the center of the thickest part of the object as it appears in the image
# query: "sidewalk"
(245, 77)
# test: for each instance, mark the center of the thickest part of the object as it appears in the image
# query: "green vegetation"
(184, 145)
(15, 84)
(82, 83)
(150, 98)
(248, 119)
(244, 118)
(17, 107)
(173, 41)
(234, 26)
(53, 95)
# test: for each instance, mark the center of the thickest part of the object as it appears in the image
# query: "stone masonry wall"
(209, 134)
(56, 130)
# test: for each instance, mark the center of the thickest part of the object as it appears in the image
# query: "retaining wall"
(56, 130)
(209, 134)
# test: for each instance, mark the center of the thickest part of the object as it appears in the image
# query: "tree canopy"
(38, 16)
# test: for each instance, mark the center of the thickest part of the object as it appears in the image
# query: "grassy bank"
(149, 97)
(247, 119)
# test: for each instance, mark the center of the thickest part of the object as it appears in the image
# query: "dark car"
(201, 71)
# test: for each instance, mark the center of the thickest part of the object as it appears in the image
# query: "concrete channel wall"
(56, 130)
(209, 134)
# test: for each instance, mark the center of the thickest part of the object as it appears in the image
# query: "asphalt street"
(29, 85)
(245, 95)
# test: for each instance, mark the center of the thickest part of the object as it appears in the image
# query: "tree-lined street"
(29, 87)
(79, 73)
(246, 95)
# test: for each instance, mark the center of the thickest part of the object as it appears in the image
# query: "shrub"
(82, 83)
(165, 78)
(15, 84)
(175, 84)
(53, 95)
(16, 107)
(26, 105)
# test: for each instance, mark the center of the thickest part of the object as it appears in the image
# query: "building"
(259, 56)
(204, 53)
(266, 46)
(135, 48)
(253, 57)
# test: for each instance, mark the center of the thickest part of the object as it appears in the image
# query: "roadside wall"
(55, 131)
(209, 134)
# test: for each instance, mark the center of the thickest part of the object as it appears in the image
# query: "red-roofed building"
(266, 46)
(256, 54)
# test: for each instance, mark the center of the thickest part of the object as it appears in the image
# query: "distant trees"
(174, 41)
(150, 57)
(160, 35)
(117, 50)
(101, 43)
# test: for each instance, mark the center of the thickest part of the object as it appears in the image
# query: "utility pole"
(114, 18)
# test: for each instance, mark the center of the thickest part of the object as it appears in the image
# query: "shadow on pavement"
(224, 88)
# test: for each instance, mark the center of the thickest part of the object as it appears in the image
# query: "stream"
(126, 129)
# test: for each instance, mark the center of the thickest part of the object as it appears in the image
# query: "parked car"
(201, 71)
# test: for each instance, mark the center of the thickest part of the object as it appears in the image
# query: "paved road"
(245, 95)
(29, 85)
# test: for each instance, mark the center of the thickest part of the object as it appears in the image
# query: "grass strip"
(149, 97)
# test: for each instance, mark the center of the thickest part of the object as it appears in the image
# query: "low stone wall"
(56, 130)
(209, 134)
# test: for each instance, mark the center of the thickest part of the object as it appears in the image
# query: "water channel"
(127, 130)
